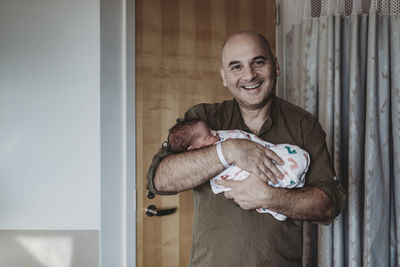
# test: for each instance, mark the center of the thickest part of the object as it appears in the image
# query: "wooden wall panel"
(178, 45)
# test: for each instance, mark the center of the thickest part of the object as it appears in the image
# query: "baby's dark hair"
(181, 135)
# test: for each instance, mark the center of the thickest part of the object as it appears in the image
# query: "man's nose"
(249, 74)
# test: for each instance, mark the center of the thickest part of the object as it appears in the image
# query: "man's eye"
(235, 67)
(259, 63)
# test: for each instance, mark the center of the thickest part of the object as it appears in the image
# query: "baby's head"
(191, 134)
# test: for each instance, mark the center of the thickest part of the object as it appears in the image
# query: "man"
(227, 231)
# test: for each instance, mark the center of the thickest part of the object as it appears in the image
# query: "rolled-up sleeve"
(162, 153)
(321, 173)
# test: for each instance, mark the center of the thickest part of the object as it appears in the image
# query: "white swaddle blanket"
(296, 165)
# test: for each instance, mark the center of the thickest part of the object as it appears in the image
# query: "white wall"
(118, 133)
(49, 114)
(67, 128)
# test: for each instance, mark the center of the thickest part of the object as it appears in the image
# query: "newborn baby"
(194, 133)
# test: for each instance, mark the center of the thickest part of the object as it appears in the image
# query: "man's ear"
(277, 69)
(223, 77)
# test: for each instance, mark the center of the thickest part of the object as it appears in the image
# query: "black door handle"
(150, 195)
(153, 211)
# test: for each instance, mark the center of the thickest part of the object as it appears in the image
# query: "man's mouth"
(250, 87)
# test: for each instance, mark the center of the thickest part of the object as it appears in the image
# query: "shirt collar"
(266, 127)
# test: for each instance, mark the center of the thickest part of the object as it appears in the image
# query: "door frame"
(118, 133)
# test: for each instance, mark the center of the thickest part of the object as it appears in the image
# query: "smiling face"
(204, 136)
(249, 70)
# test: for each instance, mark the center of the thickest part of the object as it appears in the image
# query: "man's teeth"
(253, 86)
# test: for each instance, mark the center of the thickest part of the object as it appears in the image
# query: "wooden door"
(178, 45)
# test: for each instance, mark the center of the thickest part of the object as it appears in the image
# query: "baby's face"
(205, 136)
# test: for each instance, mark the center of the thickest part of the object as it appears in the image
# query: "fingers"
(248, 193)
(227, 184)
(262, 173)
(222, 182)
(276, 173)
(265, 174)
(273, 156)
(273, 171)
(267, 171)
(228, 194)
(271, 177)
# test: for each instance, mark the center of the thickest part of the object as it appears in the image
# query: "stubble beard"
(260, 105)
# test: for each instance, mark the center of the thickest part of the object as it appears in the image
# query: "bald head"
(250, 35)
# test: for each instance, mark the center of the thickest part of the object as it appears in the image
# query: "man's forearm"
(307, 203)
(180, 172)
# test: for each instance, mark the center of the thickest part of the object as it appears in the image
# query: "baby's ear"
(193, 147)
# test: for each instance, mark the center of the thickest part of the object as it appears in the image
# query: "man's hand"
(250, 193)
(307, 203)
(253, 158)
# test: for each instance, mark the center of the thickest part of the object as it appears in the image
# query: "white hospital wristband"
(221, 156)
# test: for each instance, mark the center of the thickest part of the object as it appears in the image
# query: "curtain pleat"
(356, 130)
(338, 149)
(325, 69)
(377, 157)
(394, 44)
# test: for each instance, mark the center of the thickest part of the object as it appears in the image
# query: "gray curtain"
(344, 66)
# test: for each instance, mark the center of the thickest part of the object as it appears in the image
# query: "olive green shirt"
(226, 235)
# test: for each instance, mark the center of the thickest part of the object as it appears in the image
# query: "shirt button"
(334, 178)
(165, 144)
